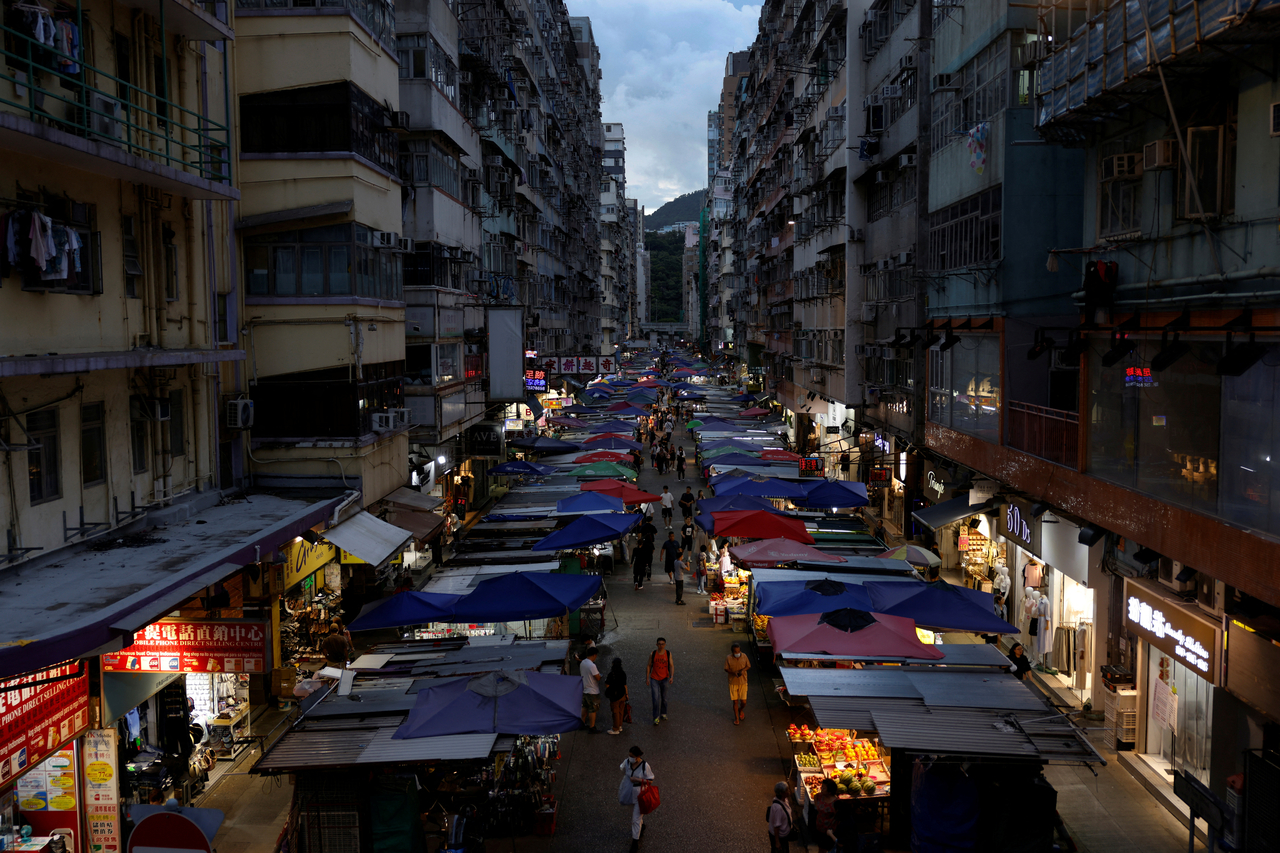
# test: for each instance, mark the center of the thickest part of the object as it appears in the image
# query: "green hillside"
(666, 254)
(684, 208)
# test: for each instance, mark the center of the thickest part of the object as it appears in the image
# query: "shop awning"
(368, 538)
(335, 743)
(423, 525)
(947, 512)
(413, 500)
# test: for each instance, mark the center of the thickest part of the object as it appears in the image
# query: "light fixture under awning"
(368, 538)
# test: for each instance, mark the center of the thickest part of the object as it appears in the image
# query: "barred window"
(981, 94)
(421, 57)
(966, 233)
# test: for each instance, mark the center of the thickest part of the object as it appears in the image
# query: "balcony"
(95, 122)
(1049, 434)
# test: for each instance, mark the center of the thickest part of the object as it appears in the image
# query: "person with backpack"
(779, 816)
(659, 674)
(635, 773)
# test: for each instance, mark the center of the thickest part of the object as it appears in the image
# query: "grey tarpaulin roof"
(954, 654)
(354, 741)
(414, 500)
(940, 688)
(369, 538)
(940, 515)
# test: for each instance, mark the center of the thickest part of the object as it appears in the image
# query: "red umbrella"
(849, 632)
(771, 552)
(606, 435)
(602, 456)
(779, 455)
(618, 489)
(754, 412)
(758, 524)
(572, 423)
(619, 406)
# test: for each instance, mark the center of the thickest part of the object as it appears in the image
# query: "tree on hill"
(666, 256)
(684, 208)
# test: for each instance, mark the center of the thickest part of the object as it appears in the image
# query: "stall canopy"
(589, 530)
(771, 552)
(542, 444)
(729, 503)
(609, 441)
(775, 454)
(590, 502)
(614, 426)
(514, 703)
(762, 487)
(423, 525)
(940, 515)
(788, 598)
(849, 632)
(840, 494)
(757, 524)
(913, 554)
(368, 538)
(525, 595)
(754, 412)
(519, 467)
(602, 455)
(603, 469)
(733, 457)
(939, 606)
(578, 409)
(744, 398)
(627, 492)
(405, 608)
(407, 497)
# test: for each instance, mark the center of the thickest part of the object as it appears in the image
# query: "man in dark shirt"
(686, 502)
(642, 561)
(670, 550)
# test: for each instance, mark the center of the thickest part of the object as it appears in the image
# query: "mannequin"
(1044, 642)
(1031, 608)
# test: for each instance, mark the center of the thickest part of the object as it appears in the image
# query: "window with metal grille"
(966, 233)
(43, 475)
(982, 93)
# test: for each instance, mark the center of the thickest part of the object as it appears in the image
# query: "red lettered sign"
(37, 719)
(193, 646)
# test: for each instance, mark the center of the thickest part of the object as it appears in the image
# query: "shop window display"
(1179, 717)
(964, 386)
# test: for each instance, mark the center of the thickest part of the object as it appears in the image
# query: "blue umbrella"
(542, 443)
(736, 444)
(527, 595)
(585, 502)
(596, 392)
(789, 598)
(719, 426)
(632, 411)
(939, 606)
(768, 487)
(588, 530)
(624, 427)
(744, 398)
(727, 477)
(841, 494)
(405, 608)
(733, 459)
(579, 409)
(502, 702)
(521, 467)
(613, 442)
(728, 503)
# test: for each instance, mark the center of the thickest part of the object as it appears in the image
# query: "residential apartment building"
(617, 244)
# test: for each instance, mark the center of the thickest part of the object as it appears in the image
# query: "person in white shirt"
(590, 690)
(668, 503)
(635, 772)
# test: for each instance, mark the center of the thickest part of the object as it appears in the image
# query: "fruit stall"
(859, 766)
(728, 605)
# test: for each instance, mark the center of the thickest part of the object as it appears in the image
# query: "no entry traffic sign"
(168, 832)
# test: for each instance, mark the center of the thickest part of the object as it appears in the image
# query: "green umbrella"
(604, 469)
(692, 424)
(721, 451)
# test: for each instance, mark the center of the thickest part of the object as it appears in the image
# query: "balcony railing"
(1050, 434)
(93, 104)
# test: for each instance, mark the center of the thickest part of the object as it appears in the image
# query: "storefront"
(963, 535)
(309, 597)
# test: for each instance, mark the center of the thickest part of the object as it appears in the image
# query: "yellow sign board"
(302, 559)
(348, 557)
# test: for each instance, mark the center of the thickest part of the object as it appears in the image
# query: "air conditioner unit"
(464, 77)
(384, 422)
(884, 265)
(904, 259)
(859, 350)
(907, 61)
(883, 177)
(872, 15)
(906, 161)
(946, 82)
(159, 409)
(522, 140)
(239, 414)
(817, 377)
(103, 119)
(876, 119)
(385, 239)
(891, 91)
(867, 102)
(1161, 154)
(1210, 594)
(493, 160)
(1122, 167)
(857, 235)
(400, 417)
(405, 244)
(473, 174)
(1168, 573)
(399, 120)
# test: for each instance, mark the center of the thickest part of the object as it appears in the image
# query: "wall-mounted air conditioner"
(239, 414)
(385, 239)
(383, 422)
(906, 161)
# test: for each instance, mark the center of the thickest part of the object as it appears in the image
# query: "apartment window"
(332, 260)
(421, 57)
(427, 163)
(1210, 169)
(171, 272)
(177, 424)
(982, 93)
(139, 435)
(129, 245)
(42, 460)
(966, 233)
(93, 444)
(964, 386)
(335, 118)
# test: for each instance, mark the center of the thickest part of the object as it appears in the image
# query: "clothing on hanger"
(1083, 656)
(1044, 640)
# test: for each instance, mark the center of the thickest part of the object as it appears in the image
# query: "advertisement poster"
(51, 785)
(36, 719)
(193, 646)
(101, 790)
(1164, 707)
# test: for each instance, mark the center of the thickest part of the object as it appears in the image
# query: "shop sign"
(51, 785)
(879, 475)
(484, 440)
(1139, 377)
(607, 364)
(37, 719)
(936, 487)
(553, 403)
(811, 465)
(882, 443)
(348, 558)
(101, 789)
(535, 380)
(531, 353)
(1017, 525)
(451, 320)
(833, 430)
(193, 645)
(1172, 630)
(303, 558)
(983, 491)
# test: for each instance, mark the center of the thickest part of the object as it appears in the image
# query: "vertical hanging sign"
(101, 790)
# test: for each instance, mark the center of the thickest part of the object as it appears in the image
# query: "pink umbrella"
(605, 435)
(572, 423)
(777, 455)
(755, 412)
(771, 552)
(758, 524)
(854, 633)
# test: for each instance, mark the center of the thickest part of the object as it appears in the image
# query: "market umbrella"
(754, 412)
(629, 409)
(579, 409)
(764, 487)
(636, 398)
(520, 467)
(589, 502)
(693, 423)
(719, 426)
(744, 398)
(716, 453)
(939, 606)
(841, 494)
(611, 441)
(542, 444)
(627, 492)
(692, 395)
(851, 633)
(685, 386)
(787, 598)
(571, 422)
(758, 524)
(586, 530)
(729, 503)
(618, 426)
(603, 469)
(501, 702)
(404, 608)
(735, 458)
(602, 456)
(654, 383)
(727, 478)
(776, 454)
(733, 443)
(771, 552)
(913, 554)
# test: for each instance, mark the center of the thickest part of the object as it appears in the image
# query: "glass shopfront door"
(1179, 709)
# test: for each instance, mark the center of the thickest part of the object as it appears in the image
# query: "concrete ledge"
(1162, 791)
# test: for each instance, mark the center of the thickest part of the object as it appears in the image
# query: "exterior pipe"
(1207, 278)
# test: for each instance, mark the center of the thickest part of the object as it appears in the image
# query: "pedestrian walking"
(659, 675)
(780, 816)
(687, 531)
(670, 551)
(635, 773)
(662, 459)
(678, 569)
(590, 689)
(697, 502)
(653, 452)
(668, 503)
(737, 665)
(615, 690)
(700, 572)
(680, 463)
(686, 503)
(641, 562)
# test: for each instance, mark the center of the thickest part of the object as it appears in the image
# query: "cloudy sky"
(663, 66)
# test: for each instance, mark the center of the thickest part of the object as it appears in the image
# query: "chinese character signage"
(1164, 624)
(193, 646)
(1139, 377)
(811, 465)
(535, 380)
(607, 364)
(36, 720)
(101, 790)
(575, 364)
(588, 364)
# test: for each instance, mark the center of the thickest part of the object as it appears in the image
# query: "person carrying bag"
(636, 789)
